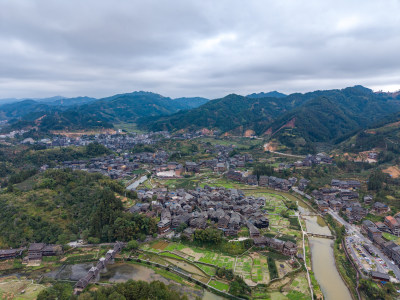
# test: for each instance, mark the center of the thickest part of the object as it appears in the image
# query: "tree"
(96, 149)
(93, 240)
(263, 169)
(60, 291)
(181, 227)
(105, 214)
(116, 296)
(132, 245)
(208, 236)
(376, 180)
(134, 290)
(238, 287)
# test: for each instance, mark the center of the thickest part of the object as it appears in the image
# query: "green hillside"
(320, 116)
(332, 117)
(59, 206)
(95, 114)
(382, 135)
(232, 112)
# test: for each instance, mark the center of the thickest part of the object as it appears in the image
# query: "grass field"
(222, 286)
(12, 288)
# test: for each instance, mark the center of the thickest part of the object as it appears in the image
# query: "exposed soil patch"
(393, 171)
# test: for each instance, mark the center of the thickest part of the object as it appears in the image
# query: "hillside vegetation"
(231, 113)
(296, 121)
(60, 206)
(93, 114)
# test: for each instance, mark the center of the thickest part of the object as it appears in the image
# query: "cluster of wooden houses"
(35, 252)
(270, 181)
(117, 166)
(117, 142)
(227, 209)
(341, 196)
(308, 161)
(285, 247)
(224, 162)
(94, 271)
(11, 253)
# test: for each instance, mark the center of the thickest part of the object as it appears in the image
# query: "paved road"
(354, 230)
(134, 185)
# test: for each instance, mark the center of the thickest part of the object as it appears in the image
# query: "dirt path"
(305, 260)
(268, 148)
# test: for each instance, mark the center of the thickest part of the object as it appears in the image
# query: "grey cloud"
(203, 48)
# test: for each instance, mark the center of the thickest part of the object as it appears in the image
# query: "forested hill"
(332, 116)
(382, 135)
(129, 107)
(232, 112)
(59, 206)
(93, 113)
(317, 116)
(273, 94)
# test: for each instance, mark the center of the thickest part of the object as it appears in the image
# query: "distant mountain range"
(85, 112)
(297, 120)
(273, 94)
(56, 100)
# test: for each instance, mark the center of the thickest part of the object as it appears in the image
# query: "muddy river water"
(323, 260)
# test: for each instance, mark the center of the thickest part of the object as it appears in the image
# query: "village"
(219, 190)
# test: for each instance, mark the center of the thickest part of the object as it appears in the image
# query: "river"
(323, 259)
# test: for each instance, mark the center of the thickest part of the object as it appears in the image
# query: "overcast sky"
(196, 48)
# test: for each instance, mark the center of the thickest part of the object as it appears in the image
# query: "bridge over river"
(319, 235)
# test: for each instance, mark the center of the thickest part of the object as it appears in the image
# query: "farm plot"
(174, 246)
(299, 284)
(182, 254)
(283, 268)
(157, 246)
(222, 286)
(243, 268)
(278, 221)
(259, 271)
(222, 261)
(207, 269)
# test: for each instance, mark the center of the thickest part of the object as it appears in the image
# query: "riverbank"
(344, 266)
(323, 258)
